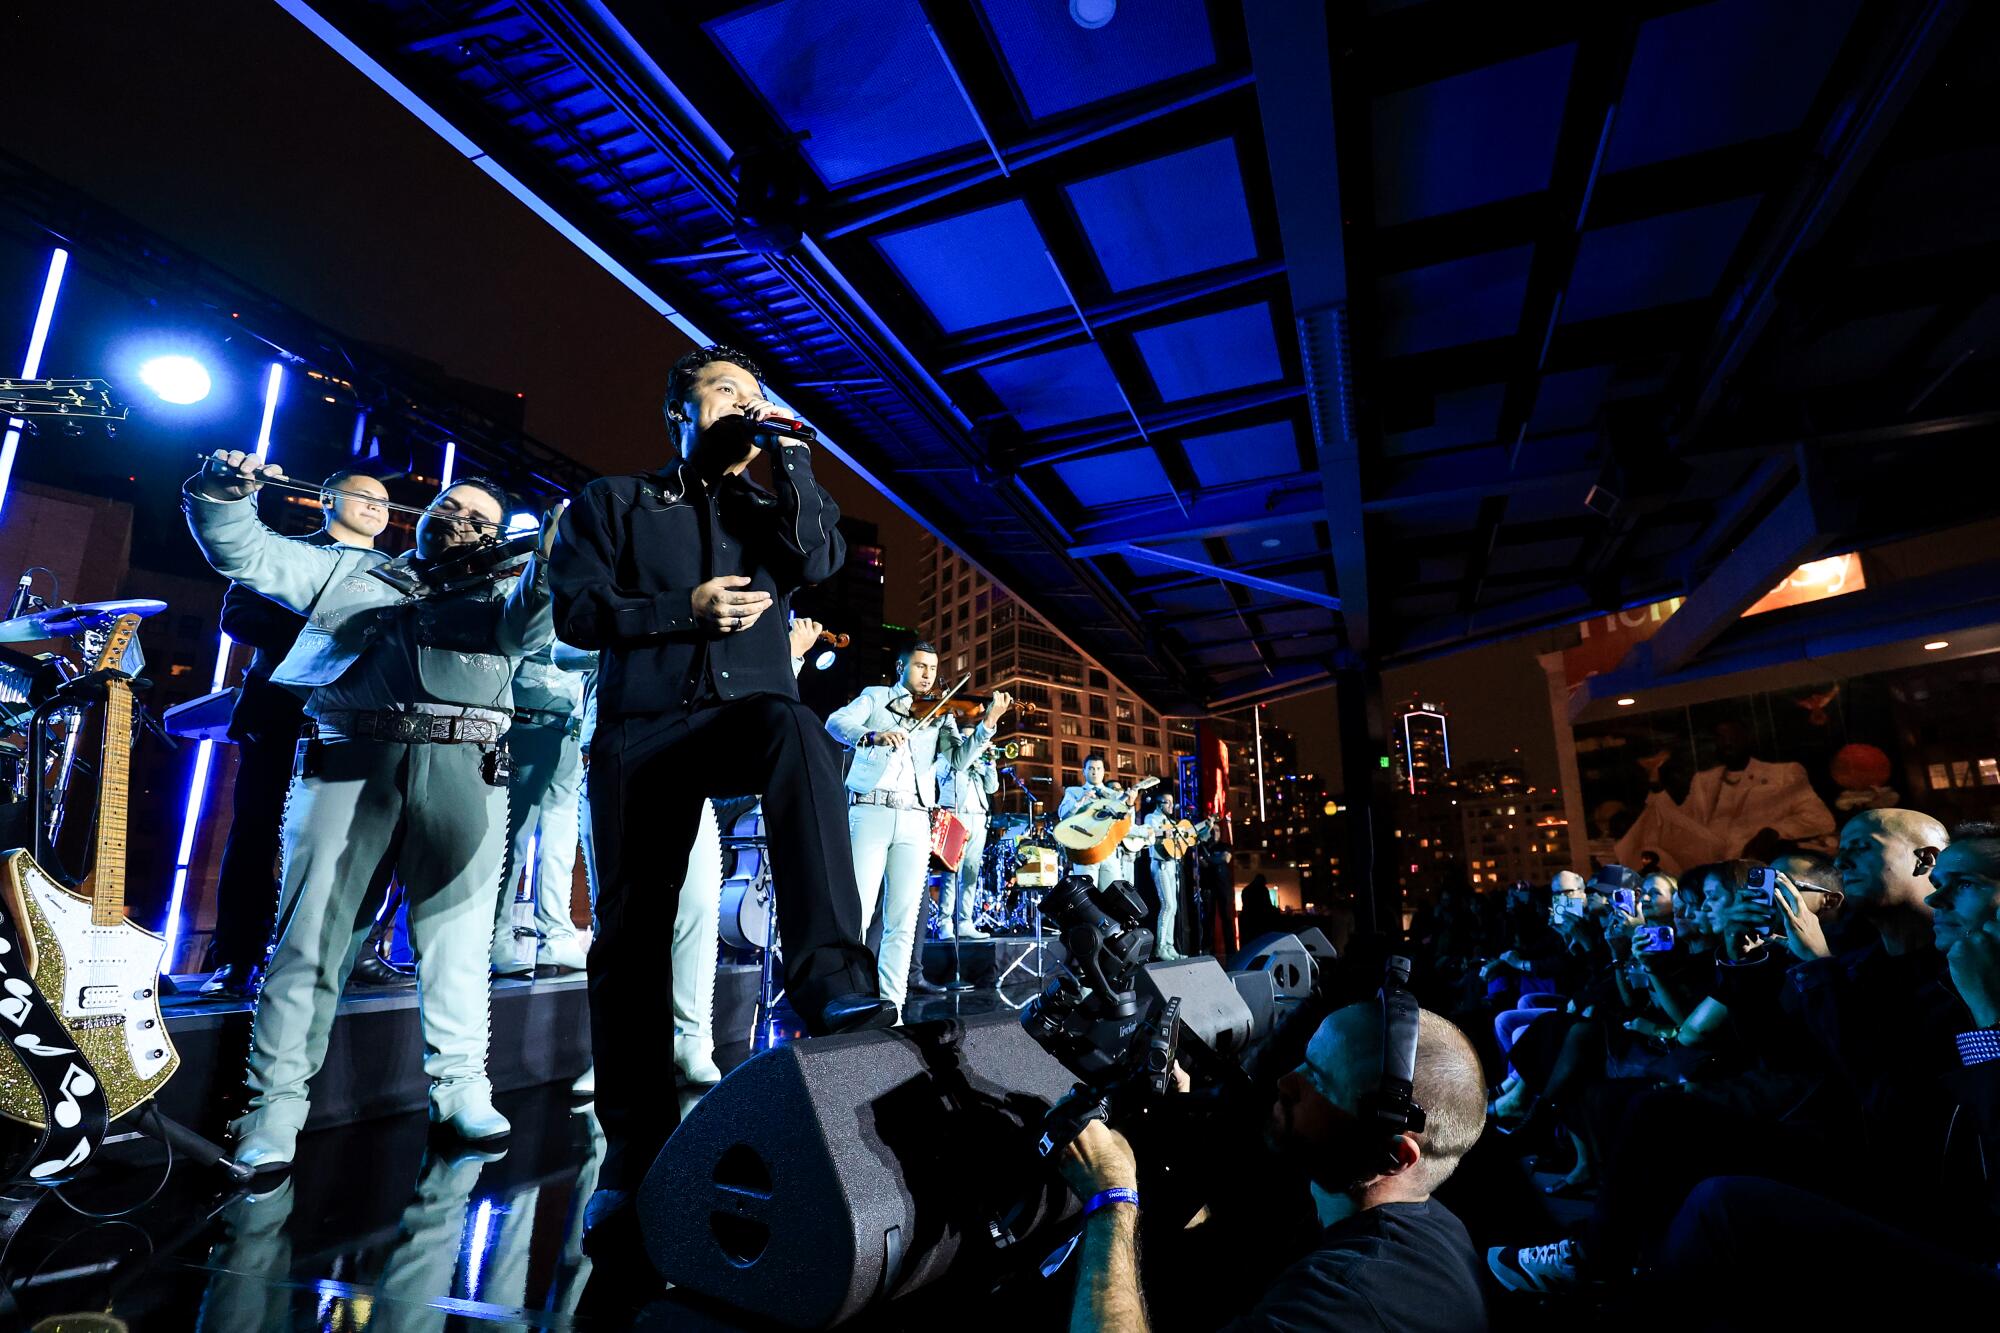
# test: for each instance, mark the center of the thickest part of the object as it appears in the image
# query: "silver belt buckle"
(440, 728)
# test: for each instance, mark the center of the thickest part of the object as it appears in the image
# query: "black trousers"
(246, 888)
(648, 776)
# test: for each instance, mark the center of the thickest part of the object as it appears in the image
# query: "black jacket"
(630, 552)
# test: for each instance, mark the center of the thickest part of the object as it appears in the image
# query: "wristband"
(1978, 1047)
(1105, 1198)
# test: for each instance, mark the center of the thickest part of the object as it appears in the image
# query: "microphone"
(789, 427)
(22, 592)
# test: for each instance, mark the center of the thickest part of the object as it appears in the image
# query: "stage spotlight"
(521, 524)
(176, 379)
(824, 660)
(1092, 13)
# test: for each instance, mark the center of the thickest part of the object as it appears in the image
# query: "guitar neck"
(107, 872)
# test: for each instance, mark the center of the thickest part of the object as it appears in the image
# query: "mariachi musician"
(892, 788)
(408, 667)
(968, 793)
(1118, 865)
(1166, 866)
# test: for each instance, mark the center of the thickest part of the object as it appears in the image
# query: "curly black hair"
(681, 378)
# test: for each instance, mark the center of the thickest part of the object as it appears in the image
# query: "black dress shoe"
(372, 969)
(233, 983)
(856, 1013)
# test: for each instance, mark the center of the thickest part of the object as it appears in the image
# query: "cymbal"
(61, 622)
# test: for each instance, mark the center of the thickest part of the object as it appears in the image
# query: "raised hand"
(805, 633)
(1803, 933)
(1975, 972)
(232, 474)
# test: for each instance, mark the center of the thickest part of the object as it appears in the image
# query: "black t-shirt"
(1401, 1268)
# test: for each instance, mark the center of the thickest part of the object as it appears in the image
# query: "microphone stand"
(1034, 902)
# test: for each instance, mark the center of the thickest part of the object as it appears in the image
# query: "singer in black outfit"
(265, 726)
(682, 579)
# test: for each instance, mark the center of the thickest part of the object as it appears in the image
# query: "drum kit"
(39, 736)
(1021, 863)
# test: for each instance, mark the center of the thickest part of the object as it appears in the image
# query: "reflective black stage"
(381, 1226)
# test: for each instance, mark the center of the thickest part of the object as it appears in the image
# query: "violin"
(965, 708)
(491, 559)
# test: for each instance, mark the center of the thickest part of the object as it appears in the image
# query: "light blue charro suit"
(892, 791)
(545, 794)
(371, 643)
(969, 795)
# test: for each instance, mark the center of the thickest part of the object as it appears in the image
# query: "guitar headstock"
(117, 644)
(86, 400)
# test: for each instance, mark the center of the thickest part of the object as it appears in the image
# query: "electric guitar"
(83, 400)
(99, 971)
(1094, 832)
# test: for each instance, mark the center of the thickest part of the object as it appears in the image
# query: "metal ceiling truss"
(625, 114)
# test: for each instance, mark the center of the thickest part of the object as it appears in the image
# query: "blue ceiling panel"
(858, 80)
(1134, 474)
(1191, 599)
(1459, 418)
(977, 268)
(1723, 74)
(1059, 65)
(1273, 544)
(1056, 388)
(1463, 301)
(1569, 399)
(1481, 136)
(1230, 349)
(1250, 454)
(1176, 215)
(1655, 261)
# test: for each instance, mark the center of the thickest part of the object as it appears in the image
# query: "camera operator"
(1390, 1256)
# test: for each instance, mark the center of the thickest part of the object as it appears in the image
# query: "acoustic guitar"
(98, 970)
(1094, 832)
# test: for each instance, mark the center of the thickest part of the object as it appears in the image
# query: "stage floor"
(381, 1225)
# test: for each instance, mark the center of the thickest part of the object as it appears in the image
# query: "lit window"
(1939, 779)
(1989, 772)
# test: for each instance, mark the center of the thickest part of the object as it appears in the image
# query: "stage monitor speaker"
(1210, 1006)
(827, 1176)
(1286, 959)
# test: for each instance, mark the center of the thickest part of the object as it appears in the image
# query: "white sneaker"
(1544, 1268)
(972, 933)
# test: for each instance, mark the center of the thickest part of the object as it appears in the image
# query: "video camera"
(1119, 1022)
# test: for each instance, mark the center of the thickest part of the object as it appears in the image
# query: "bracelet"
(1105, 1198)
(1978, 1047)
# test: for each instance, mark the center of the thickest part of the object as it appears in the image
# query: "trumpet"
(1011, 750)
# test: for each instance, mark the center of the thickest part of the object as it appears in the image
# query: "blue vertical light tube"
(204, 756)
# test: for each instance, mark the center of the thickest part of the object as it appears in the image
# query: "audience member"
(1390, 1256)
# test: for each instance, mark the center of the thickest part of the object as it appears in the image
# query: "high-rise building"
(1079, 709)
(1512, 830)
(1421, 737)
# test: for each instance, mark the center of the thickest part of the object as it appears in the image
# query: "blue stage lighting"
(824, 660)
(176, 379)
